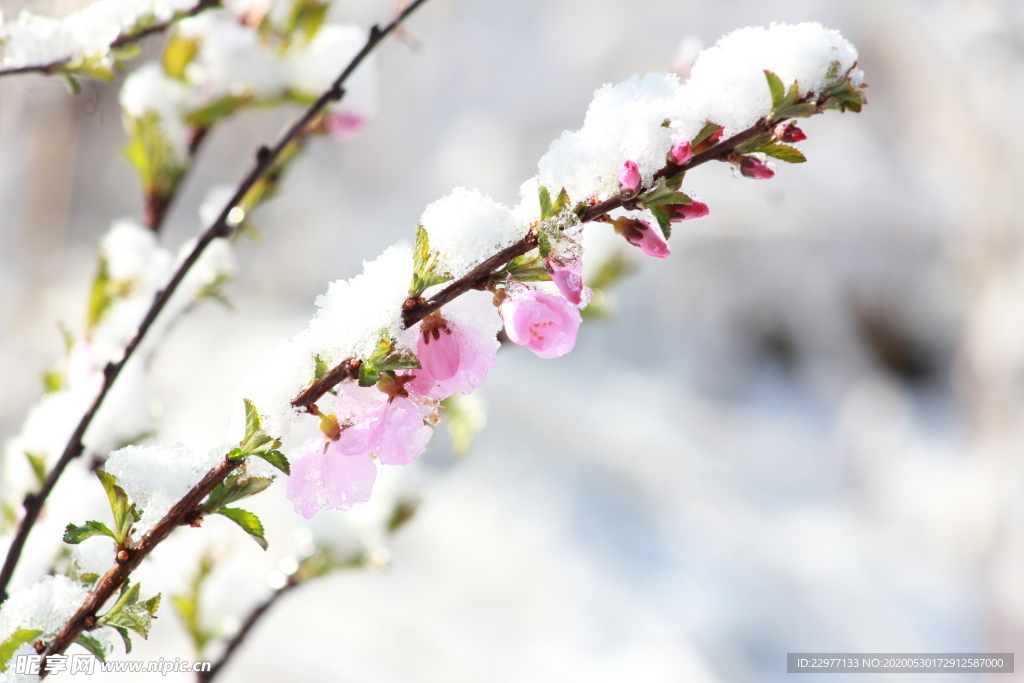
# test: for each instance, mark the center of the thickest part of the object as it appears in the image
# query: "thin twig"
(250, 622)
(265, 159)
(121, 41)
(183, 512)
(415, 310)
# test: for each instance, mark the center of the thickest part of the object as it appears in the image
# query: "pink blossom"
(641, 234)
(323, 478)
(681, 153)
(392, 429)
(568, 277)
(752, 167)
(473, 352)
(629, 176)
(344, 125)
(788, 132)
(685, 212)
(544, 323)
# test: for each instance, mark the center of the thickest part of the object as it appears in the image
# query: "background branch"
(121, 41)
(265, 160)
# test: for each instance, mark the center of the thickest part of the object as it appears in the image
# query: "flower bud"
(752, 167)
(685, 212)
(629, 177)
(681, 153)
(788, 132)
(641, 234)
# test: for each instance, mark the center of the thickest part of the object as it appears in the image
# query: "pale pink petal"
(476, 357)
(344, 125)
(403, 436)
(438, 352)
(544, 323)
(324, 479)
(568, 277)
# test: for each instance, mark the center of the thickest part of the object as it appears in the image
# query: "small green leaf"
(545, 203)
(368, 374)
(663, 220)
(306, 18)
(207, 116)
(131, 614)
(179, 51)
(556, 207)
(320, 368)
(784, 153)
(249, 522)
(125, 514)
(798, 111)
(76, 534)
(74, 87)
(235, 487)
(662, 194)
(277, 459)
(705, 133)
(93, 645)
(124, 636)
(13, 642)
(675, 182)
(38, 464)
(776, 87)
(544, 245)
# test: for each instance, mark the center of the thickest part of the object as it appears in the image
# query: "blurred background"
(801, 433)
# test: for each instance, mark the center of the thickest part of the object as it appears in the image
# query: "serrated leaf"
(554, 208)
(663, 220)
(131, 614)
(783, 152)
(368, 374)
(93, 645)
(76, 534)
(13, 642)
(253, 421)
(235, 487)
(249, 522)
(775, 86)
(798, 111)
(661, 194)
(38, 464)
(425, 274)
(277, 459)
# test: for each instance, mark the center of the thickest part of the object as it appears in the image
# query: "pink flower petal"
(686, 212)
(344, 125)
(438, 351)
(629, 176)
(681, 152)
(568, 277)
(751, 167)
(544, 323)
(403, 436)
(324, 479)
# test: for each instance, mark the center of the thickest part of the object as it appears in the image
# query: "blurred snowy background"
(802, 432)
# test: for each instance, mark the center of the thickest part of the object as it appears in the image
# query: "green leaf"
(544, 245)
(219, 109)
(131, 614)
(306, 19)
(249, 522)
(124, 636)
(798, 111)
(425, 274)
(661, 194)
(705, 133)
(38, 464)
(545, 202)
(93, 645)
(187, 605)
(783, 153)
(754, 143)
(277, 459)
(125, 514)
(74, 87)
(179, 51)
(320, 368)
(776, 87)
(555, 208)
(675, 182)
(76, 534)
(663, 220)
(256, 439)
(154, 157)
(368, 374)
(235, 487)
(13, 642)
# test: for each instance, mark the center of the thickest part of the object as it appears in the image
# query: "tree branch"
(415, 310)
(250, 622)
(183, 512)
(265, 159)
(121, 41)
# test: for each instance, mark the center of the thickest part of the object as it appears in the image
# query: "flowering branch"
(185, 511)
(124, 40)
(223, 226)
(416, 310)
